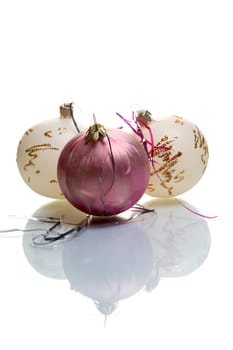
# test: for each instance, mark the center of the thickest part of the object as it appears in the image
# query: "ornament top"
(66, 110)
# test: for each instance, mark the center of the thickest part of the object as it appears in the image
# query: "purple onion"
(103, 176)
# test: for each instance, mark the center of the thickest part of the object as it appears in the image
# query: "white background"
(171, 57)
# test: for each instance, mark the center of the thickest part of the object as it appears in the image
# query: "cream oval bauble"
(180, 155)
(39, 149)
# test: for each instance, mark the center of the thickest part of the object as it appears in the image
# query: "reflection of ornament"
(47, 260)
(39, 150)
(179, 153)
(103, 172)
(180, 239)
(108, 261)
(113, 258)
(62, 210)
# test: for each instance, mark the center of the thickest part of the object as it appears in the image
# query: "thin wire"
(50, 235)
(194, 211)
(48, 219)
(46, 240)
(52, 239)
(94, 118)
(127, 122)
(142, 209)
(138, 131)
(23, 230)
(138, 107)
(73, 119)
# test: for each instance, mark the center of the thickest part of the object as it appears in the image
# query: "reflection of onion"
(108, 262)
(103, 177)
(180, 239)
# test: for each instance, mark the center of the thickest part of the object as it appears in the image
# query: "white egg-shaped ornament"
(39, 150)
(103, 172)
(178, 154)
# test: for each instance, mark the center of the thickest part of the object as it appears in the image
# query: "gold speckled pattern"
(29, 131)
(178, 120)
(53, 181)
(32, 153)
(166, 158)
(200, 143)
(61, 131)
(48, 133)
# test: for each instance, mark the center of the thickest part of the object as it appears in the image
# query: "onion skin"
(102, 180)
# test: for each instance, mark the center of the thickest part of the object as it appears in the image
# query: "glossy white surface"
(171, 57)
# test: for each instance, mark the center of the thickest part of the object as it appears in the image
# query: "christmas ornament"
(39, 150)
(103, 172)
(178, 153)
